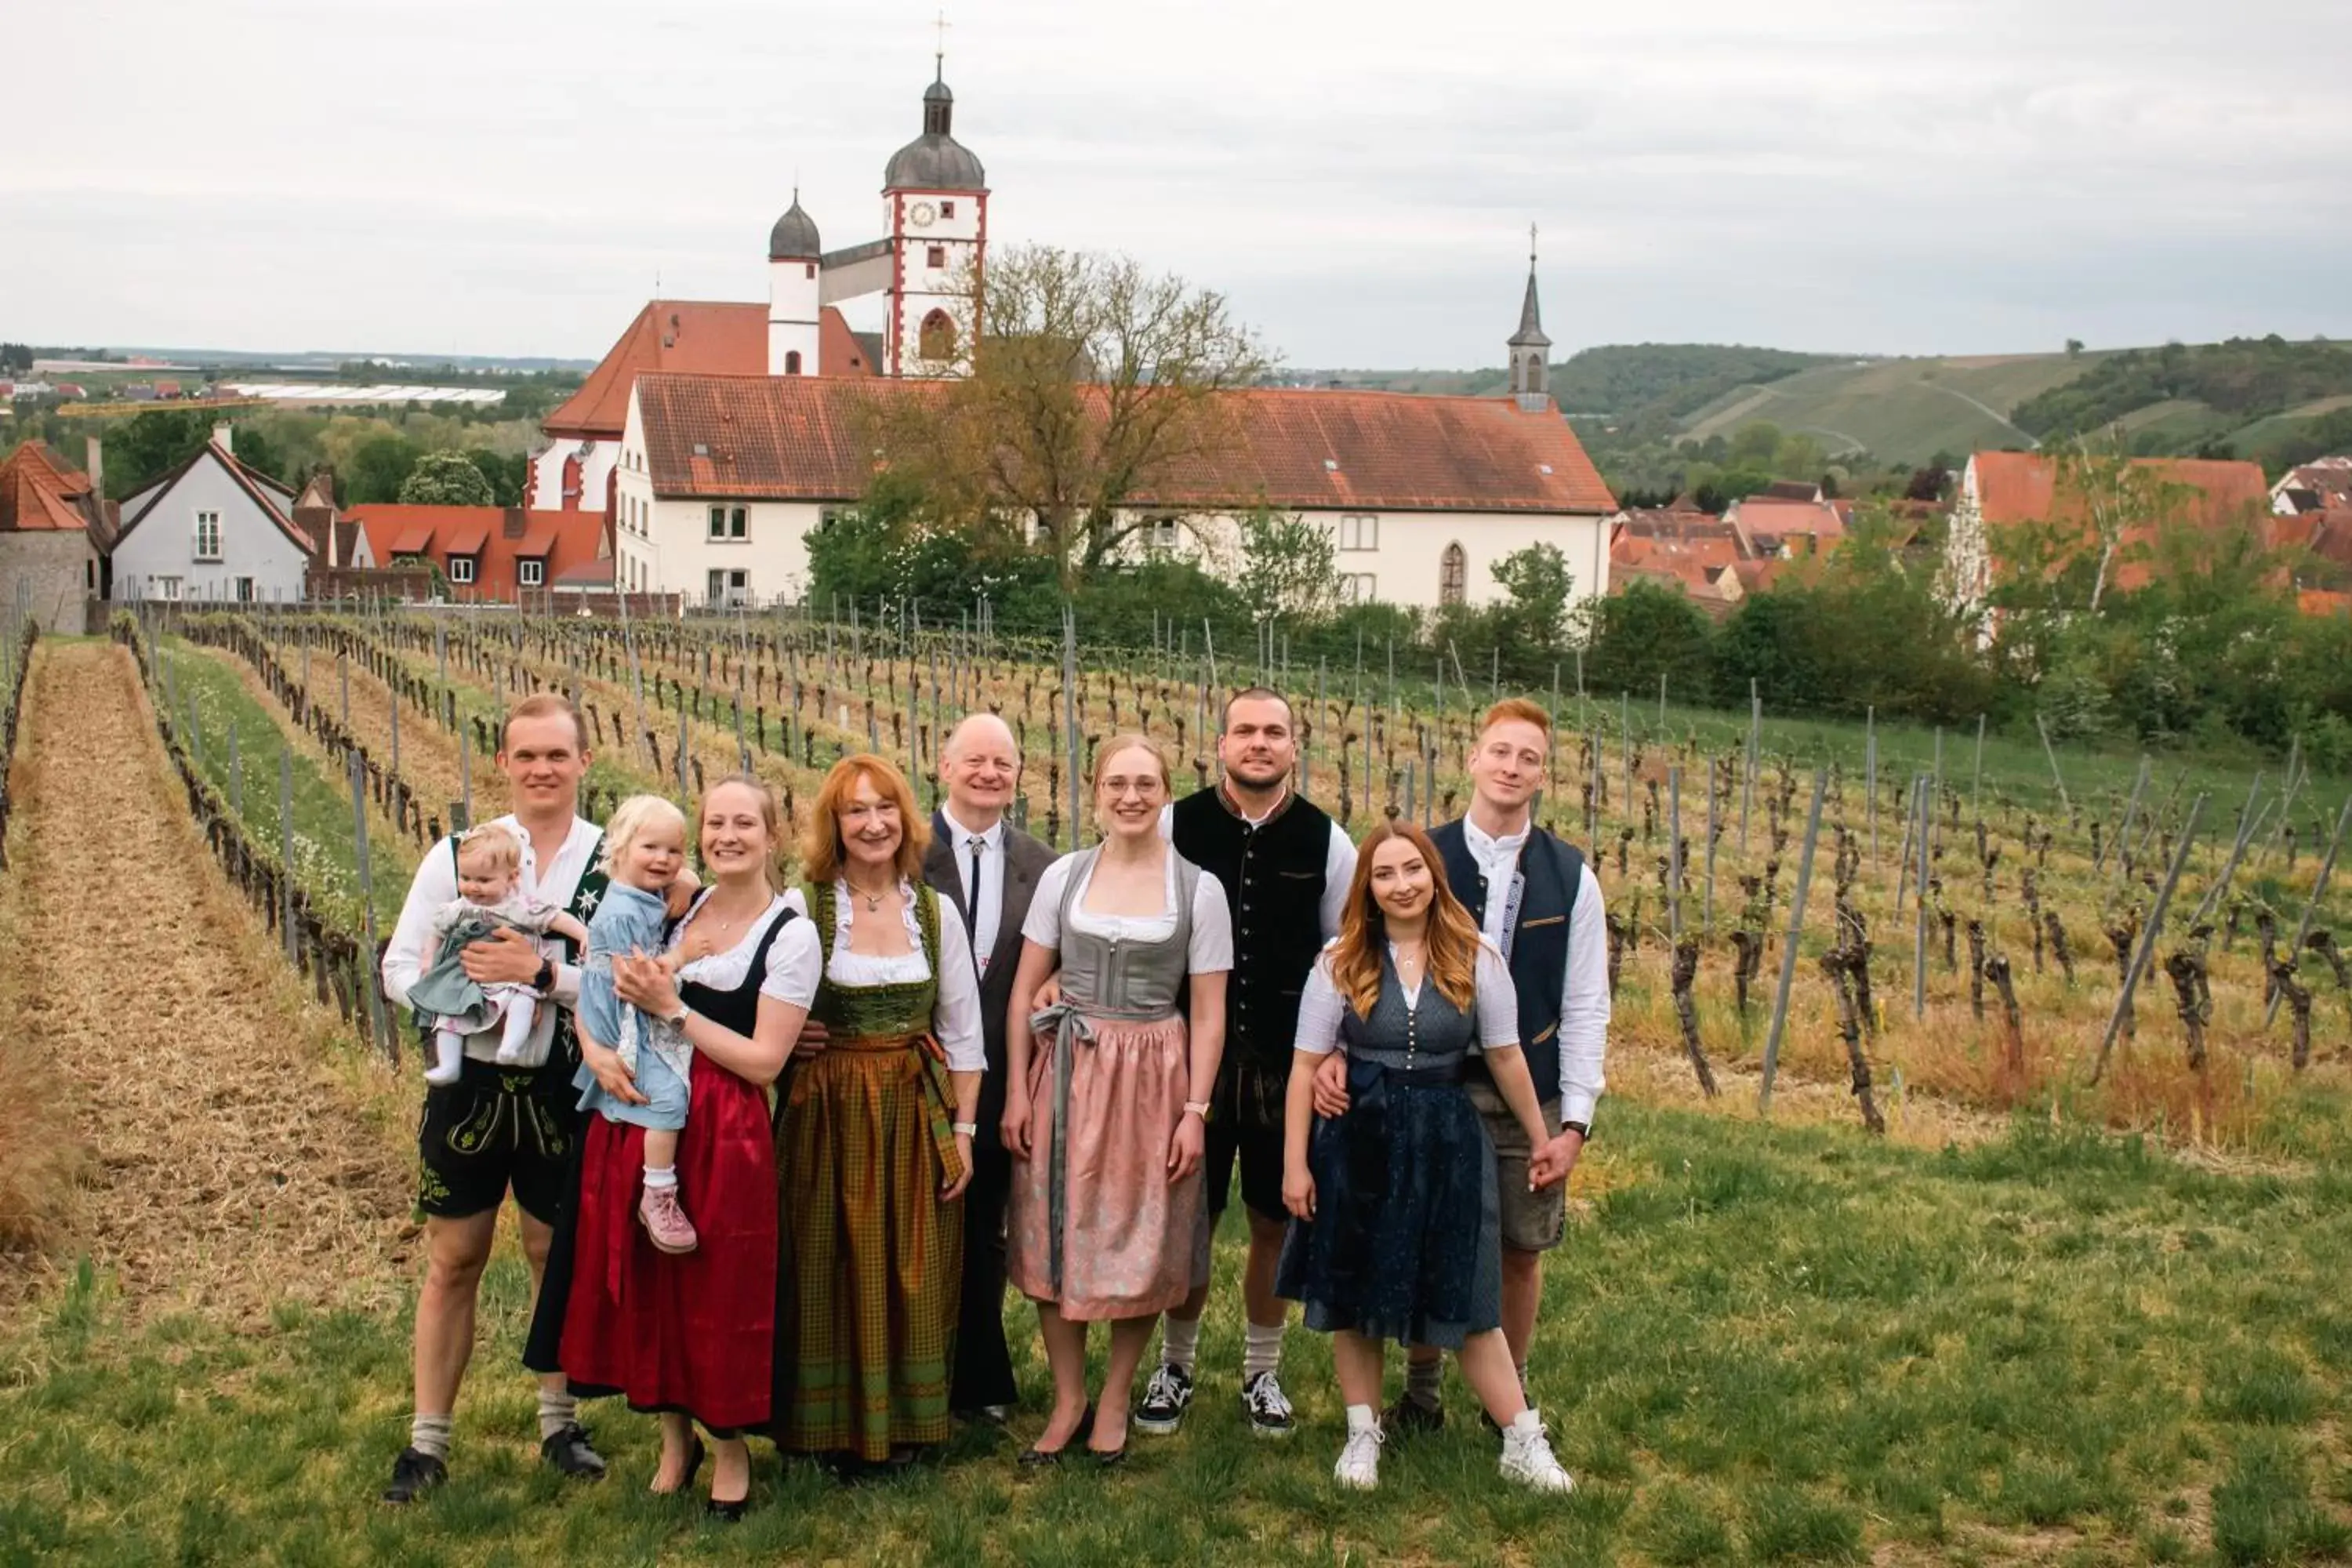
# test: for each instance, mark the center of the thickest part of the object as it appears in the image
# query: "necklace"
(873, 900)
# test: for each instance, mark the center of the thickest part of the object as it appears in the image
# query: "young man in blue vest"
(1285, 867)
(1534, 898)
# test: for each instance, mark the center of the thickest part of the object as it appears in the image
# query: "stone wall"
(59, 566)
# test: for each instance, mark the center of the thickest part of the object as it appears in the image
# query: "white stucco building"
(722, 480)
(210, 529)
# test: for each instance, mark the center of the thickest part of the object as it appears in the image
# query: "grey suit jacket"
(1025, 859)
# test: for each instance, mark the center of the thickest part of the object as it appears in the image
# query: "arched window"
(1452, 576)
(792, 361)
(938, 336)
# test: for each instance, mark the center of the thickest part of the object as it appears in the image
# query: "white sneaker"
(1528, 1459)
(1359, 1462)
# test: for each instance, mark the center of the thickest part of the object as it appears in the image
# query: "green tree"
(1290, 567)
(447, 478)
(376, 468)
(1649, 630)
(17, 358)
(1532, 620)
(150, 445)
(1095, 381)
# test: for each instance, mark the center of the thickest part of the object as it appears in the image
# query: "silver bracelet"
(966, 1129)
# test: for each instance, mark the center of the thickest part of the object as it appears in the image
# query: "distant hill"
(1898, 410)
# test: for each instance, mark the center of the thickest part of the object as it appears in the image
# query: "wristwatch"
(1199, 1107)
(964, 1128)
(677, 1020)
(1581, 1129)
(544, 981)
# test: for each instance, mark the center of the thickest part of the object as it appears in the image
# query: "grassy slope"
(1903, 410)
(1765, 1344)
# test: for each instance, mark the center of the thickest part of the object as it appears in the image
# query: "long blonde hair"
(1450, 944)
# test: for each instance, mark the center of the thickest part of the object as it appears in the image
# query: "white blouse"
(955, 1017)
(1209, 952)
(795, 956)
(1320, 1005)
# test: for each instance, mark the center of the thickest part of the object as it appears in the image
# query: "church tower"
(1530, 350)
(794, 259)
(935, 205)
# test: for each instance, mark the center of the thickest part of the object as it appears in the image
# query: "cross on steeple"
(939, 54)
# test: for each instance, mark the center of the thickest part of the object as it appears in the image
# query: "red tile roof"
(802, 438)
(691, 337)
(560, 540)
(1779, 518)
(2023, 487)
(41, 492)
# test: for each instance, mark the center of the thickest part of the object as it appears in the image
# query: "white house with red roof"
(723, 477)
(934, 239)
(210, 528)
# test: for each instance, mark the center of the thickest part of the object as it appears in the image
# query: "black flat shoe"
(727, 1512)
(694, 1458)
(1034, 1458)
(1110, 1460)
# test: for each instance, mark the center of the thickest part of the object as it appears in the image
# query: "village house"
(55, 526)
(488, 554)
(2323, 485)
(1999, 491)
(210, 528)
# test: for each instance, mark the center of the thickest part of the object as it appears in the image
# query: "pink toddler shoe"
(665, 1222)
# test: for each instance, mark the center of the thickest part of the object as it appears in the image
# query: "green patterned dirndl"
(873, 1259)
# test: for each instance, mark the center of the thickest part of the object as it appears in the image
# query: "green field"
(1762, 1344)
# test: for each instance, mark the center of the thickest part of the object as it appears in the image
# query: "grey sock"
(1424, 1381)
(430, 1435)
(556, 1411)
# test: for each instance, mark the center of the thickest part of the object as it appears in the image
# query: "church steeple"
(1530, 351)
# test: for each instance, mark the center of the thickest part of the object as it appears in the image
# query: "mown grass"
(326, 858)
(1764, 1344)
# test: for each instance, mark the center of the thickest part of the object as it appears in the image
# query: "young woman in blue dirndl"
(1396, 1230)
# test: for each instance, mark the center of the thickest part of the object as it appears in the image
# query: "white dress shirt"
(1584, 993)
(985, 902)
(413, 944)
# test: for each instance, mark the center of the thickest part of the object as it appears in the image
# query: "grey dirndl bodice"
(1434, 1032)
(1105, 977)
(1124, 978)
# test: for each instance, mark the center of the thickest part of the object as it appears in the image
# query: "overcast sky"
(511, 177)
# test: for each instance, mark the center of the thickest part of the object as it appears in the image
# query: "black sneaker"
(569, 1451)
(1165, 1398)
(1409, 1416)
(1268, 1411)
(414, 1474)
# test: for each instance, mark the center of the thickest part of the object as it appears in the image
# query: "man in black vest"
(1285, 867)
(1533, 897)
(988, 869)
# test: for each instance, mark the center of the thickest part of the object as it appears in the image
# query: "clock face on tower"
(921, 213)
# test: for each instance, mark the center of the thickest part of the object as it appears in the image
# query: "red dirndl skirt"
(696, 1333)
